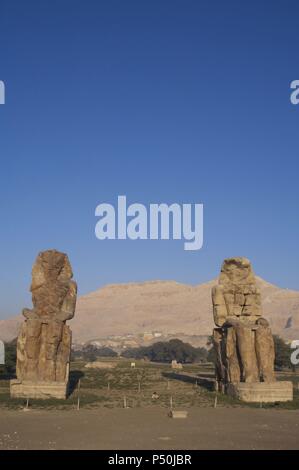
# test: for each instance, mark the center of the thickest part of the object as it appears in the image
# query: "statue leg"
(32, 348)
(53, 339)
(21, 352)
(63, 355)
(219, 366)
(246, 348)
(233, 367)
(264, 345)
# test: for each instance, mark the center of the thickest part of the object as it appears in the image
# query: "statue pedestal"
(266, 392)
(43, 390)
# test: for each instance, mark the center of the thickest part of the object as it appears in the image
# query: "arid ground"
(204, 428)
(102, 422)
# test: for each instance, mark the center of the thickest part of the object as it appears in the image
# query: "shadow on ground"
(75, 376)
(204, 380)
(7, 375)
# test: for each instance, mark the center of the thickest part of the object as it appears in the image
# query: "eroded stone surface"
(243, 340)
(44, 342)
(262, 392)
(236, 295)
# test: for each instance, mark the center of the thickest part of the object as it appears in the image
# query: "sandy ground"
(204, 428)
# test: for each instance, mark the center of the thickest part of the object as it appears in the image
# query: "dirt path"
(205, 428)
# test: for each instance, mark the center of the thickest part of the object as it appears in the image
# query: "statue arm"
(68, 308)
(219, 306)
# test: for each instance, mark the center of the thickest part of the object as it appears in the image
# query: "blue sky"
(162, 101)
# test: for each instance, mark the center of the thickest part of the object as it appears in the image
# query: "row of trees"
(185, 353)
(161, 351)
(158, 352)
(90, 353)
(167, 351)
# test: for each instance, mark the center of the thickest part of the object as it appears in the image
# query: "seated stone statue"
(243, 340)
(44, 342)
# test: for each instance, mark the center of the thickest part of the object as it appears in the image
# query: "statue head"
(51, 266)
(236, 271)
(236, 297)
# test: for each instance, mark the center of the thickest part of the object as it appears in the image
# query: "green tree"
(10, 358)
(106, 352)
(91, 352)
(167, 351)
(282, 353)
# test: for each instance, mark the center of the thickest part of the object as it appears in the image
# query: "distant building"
(96, 343)
(176, 365)
(148, 336)
(130, 343)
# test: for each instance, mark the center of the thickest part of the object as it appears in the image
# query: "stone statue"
(243, 340)
(44, 342)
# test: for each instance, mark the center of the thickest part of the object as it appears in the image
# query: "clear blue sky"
(163, 101)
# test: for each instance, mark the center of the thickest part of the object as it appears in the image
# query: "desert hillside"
(164, 306)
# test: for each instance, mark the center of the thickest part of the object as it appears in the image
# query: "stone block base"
(178, 414)
(41, 390)
(266, 392)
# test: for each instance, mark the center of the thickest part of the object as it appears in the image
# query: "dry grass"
(111, 388)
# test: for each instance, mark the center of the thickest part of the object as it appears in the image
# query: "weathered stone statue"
(44, 342)
(243, 340)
